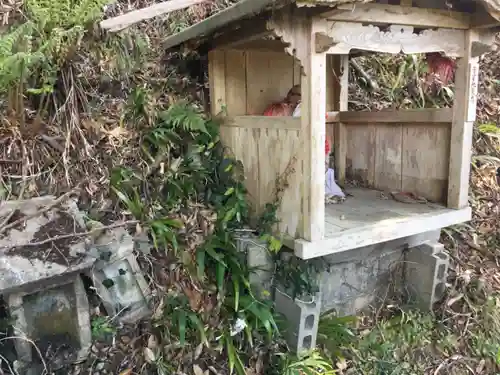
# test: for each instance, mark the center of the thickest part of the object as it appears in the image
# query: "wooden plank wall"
(254, 79)
(266, 155)
(405, 157)
(245, 83)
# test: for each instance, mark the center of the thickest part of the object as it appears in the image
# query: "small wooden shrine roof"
(483, 13)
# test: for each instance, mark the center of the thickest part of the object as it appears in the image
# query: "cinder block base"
(426, 269)
(260, 262)
(302, 319)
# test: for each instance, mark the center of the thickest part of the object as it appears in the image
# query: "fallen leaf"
(197, 370)
(480, 366)
(152, 342)
(149, 355)
(453, 300)
(341, 364)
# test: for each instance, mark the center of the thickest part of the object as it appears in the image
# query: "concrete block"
(119, 280)
(367, 276)
(302, 319)
(56, 315)
(23, 266)
(426, 270)
(260, 262)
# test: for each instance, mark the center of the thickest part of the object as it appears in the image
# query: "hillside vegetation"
(119, 118)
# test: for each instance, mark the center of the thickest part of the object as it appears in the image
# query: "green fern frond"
(185, 116)
(13, 41)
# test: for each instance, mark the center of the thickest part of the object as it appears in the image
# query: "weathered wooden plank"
(341, 68)
(268, 45)
(398, 15)
(391, 221)
(425, 161)
(246, 31)
(388, 157)
(236, 84)
(263, 122)
(278, 149)
(312, 152)
(414, 116)
(128, 19)
(349, 36)
(216, 21)
(269, 78)
(244, 146)
(217, 77)
(360, 156)
(461, 129)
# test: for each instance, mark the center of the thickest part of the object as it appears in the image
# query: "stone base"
(59, 312)
(367, 276)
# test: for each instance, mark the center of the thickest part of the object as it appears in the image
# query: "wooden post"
(464, 108)
(313, 123)
(340, 148)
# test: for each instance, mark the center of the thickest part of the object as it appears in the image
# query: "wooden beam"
(313, 109)
(248, 31)
(128, 19)
(464, 108)
(407, 116)
(398, 15)
(209, 25)
(398, 38)
(340, 139)
(261, 45)
(263, 122)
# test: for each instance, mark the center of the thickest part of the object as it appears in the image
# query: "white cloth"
(296, 111)
(331, 187)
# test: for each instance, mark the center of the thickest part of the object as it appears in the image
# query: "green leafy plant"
(307, 363)
(336, 333)
(186, 163)
(102, 326)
